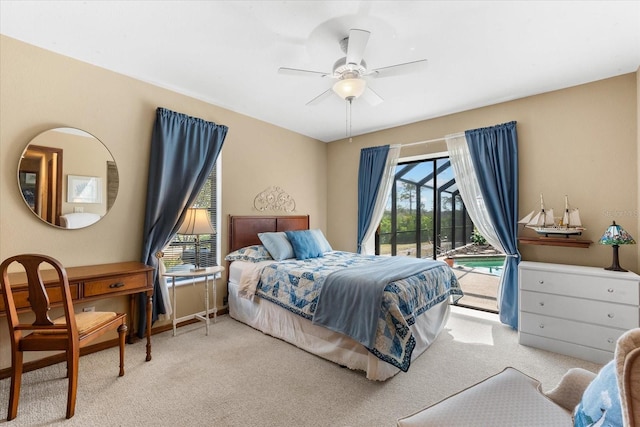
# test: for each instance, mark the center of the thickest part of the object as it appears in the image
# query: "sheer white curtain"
(467, 181)
(369, 241)
(164, 290)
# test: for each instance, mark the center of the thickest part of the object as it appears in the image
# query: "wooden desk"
(94, 282)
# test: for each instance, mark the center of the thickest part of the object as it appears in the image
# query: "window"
(181, 250)
(425, 216)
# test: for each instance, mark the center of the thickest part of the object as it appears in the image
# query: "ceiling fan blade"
(357, 43)
(371, 97)
(297, 72)
(318, 99)
(399, 69)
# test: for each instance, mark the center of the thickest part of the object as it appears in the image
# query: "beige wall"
(41, 90)
(581, 141)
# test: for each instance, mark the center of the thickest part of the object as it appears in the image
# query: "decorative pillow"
(254, 253)
(321, 240)
(277, 244)
(304, 244)
(601, 401)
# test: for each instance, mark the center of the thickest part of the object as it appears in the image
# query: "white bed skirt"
(281, 323)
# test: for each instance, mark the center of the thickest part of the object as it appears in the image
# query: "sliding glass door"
(425, 216)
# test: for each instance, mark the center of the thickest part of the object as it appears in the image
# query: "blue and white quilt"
(297, 285)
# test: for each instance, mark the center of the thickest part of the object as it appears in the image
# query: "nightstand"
(202, 315)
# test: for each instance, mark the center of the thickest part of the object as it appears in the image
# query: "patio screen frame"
(443, 236)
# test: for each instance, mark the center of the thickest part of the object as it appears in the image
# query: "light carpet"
(238, 376)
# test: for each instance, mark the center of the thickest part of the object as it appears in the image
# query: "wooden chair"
(68, 333)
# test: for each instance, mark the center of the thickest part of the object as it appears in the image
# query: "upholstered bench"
(511, 398)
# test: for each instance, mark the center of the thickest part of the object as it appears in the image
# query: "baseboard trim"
(59, 358)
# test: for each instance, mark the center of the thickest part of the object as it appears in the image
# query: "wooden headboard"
(243, 230)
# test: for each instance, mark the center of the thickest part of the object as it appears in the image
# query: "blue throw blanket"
(350, 301)
(296, 285)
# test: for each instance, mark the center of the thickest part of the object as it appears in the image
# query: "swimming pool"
(489, 264)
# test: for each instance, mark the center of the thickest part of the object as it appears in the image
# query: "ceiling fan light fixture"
(350, 88)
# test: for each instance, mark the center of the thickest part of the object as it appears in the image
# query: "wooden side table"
(201, 315)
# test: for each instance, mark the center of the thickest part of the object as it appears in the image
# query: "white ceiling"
(228, 52)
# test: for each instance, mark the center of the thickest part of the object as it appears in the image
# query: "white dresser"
(577, 311)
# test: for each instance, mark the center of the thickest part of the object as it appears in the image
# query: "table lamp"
(197, 222)
(615, 235)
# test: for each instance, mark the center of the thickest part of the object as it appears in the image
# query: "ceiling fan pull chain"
(346, 119)
(350, 118)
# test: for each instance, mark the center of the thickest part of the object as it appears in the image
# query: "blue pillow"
(601, 400)
(254, 253)
(277, 244)
(304, 244)
(321, 240)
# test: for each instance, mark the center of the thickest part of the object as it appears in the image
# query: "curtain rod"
(432, 140)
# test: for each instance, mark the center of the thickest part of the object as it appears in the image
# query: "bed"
(401, 334)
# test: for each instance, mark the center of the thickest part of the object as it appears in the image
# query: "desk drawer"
(21, 296)
(116, 284)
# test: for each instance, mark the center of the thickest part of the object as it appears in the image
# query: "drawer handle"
(610, 315)
(610, 290)
(116, 285)
(541, 325)
(541, 282)
(541, 303)
(610, 340)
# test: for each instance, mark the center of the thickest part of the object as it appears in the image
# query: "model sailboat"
(543, 221)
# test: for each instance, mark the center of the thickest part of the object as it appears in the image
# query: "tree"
(407, 193)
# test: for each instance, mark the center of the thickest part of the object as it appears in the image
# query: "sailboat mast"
(566, 218)
(547, 217)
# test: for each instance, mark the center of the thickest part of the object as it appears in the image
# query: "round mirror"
(68, 178)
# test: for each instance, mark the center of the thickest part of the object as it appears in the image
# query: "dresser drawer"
(591, 287)
(21, 296)
(601, 313)
(116, 284)
(591, 354)
(595, 336)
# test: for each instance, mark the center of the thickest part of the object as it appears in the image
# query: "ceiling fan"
(350, 71)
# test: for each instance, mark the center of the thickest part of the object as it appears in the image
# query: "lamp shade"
(197, 222)
(350, 88)
(616, 235)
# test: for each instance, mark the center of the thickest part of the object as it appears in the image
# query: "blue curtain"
(494, 152)
(372, 161)
(184, 151)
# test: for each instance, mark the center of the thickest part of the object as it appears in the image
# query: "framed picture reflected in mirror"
(84, 189)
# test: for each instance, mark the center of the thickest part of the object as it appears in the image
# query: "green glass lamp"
(615, 236)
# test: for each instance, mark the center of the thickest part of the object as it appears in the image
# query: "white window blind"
(181, 250)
